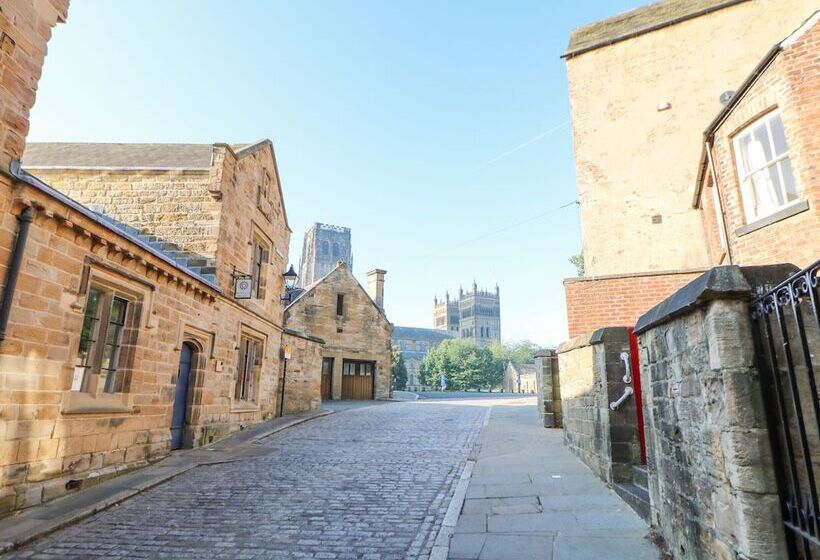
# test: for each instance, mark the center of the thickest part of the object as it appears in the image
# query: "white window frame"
(747, 189)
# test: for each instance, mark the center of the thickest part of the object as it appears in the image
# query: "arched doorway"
(186, 358)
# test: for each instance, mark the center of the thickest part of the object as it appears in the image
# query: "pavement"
(470, 476)
(529, 498)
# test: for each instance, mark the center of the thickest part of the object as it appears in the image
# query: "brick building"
(758, 185)
(641, 237)
(357, 358)
(120, 336)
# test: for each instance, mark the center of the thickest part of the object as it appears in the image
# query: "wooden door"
(357, 380)
(181, 396)
(327, 379)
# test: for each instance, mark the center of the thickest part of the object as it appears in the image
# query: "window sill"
(84, 403)
(242, 407)
(782, 214)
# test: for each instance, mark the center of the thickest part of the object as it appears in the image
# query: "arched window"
(336, 250)
(325, 248)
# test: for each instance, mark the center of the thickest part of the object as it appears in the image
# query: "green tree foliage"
(578, 261)
(399, 370)
(522, 352)
(464, 364)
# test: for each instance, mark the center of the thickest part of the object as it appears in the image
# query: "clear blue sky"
(388, 117)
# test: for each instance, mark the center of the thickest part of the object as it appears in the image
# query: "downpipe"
(25, 218)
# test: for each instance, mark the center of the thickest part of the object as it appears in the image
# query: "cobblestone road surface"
(365, 483)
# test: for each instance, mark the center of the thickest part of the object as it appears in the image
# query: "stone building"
(476, 315)
(519, 378)
(642, 239)
(356, 357)
(323, 247)
(120, 336)
(757, 184)
(415, 343)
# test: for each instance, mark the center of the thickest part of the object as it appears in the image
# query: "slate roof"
(39, 155)
(418, 333)
(639, 21)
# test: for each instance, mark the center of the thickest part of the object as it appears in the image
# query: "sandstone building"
(476, 315)
(636, 130)
(414, 343)
(519, 378)
(324, 246)
(120, 336)
(356, 357)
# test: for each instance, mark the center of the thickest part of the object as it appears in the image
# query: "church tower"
(324, 246)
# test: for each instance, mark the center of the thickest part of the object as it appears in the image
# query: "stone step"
(636, 497)
(640, 476)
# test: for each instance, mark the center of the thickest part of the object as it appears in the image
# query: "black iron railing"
(786, 322)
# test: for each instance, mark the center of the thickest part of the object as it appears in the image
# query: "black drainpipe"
(25, 219)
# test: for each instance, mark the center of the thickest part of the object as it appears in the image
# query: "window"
(357, 368)
(260, 258)
(100, 360)
(325, 248)
(336, 250)
(250, 363)
(340, 304)
(764, 168)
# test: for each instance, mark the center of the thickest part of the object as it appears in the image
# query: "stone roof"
(639, 21)
(418, 333)
(101, 155)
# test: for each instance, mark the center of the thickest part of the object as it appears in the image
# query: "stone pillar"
(375, 286)
(548, 389)
(711, 475)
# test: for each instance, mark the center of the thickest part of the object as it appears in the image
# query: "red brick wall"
(790, 85)
(616, 301)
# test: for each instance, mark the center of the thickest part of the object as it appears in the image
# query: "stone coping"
(651, 273)
(546, 353)
(600, 336)
(721, 282)
(300, 334)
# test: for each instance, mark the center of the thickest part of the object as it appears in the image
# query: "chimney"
(375, 286)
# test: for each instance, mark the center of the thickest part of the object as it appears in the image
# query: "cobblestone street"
(367, 482)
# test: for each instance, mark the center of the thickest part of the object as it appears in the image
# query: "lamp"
(290, 278)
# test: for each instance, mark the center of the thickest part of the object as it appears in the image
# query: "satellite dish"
(726, 96)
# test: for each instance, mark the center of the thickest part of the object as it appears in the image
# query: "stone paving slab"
(538, 501)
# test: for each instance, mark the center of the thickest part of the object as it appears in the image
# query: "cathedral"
(475, 315)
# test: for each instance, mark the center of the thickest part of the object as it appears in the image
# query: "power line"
(505, 228)
(523, 145)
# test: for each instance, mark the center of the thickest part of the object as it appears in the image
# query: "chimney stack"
(375, 286)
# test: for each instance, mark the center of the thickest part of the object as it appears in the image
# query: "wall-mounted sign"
(242, 287)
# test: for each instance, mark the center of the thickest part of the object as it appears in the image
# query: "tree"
(464, 364)
(578, 261)
(399, 370)
(522, 352)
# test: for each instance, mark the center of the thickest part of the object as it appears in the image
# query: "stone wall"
(180, 208)
(303, 379)
(548, 389)
(598, 302)
(711, 477)
(591, 376)
(635, 201)
(25, 29)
